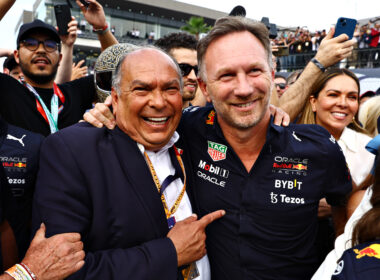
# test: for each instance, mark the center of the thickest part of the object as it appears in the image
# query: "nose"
(342, 101)
(40, 47)
(192, 75)
(157, 100)
(243, 87)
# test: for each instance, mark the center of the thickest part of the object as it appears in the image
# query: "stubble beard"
(39, 78)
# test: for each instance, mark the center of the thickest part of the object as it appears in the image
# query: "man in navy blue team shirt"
(269, 179)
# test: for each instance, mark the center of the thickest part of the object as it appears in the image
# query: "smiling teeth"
(244, 105)
(156, 121)
(339, 114)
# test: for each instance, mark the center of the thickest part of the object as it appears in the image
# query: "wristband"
(18, 272)
(31, 274)
(102, 30)
(318, 64)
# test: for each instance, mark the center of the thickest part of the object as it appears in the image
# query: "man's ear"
(115, 99)
(203, 87)
(16, 55)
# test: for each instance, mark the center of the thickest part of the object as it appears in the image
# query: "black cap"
(238, 11)
(37, 25)
(10, 63)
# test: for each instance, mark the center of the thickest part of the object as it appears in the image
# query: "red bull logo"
(20, 164)
(300, 166)
(210, 118)
(370, 251)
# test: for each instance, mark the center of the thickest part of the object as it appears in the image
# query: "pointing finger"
(209, 218)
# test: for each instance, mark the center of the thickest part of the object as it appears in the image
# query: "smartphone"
(63, 17)
(346, 26)
(84, 2)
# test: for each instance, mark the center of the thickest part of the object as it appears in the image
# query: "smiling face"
(39, 67)
(149, 105)
(336, 104)
(188, 56)
(239, 79)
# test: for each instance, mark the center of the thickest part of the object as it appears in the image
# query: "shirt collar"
(168, 145)
(272, 127)
(348, 138)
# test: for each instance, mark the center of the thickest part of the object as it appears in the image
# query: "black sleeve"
(338, 183)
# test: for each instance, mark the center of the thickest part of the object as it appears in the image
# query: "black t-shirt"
(18, 104)
(270, 226)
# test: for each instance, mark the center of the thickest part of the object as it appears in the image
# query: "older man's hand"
(56, 257)
(188, 237)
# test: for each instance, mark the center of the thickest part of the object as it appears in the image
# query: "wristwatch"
(318, 64)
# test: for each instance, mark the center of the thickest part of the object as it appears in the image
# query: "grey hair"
(228, 25)
(117, 76)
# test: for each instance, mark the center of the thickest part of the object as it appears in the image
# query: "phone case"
(63, 17)
(345, 26)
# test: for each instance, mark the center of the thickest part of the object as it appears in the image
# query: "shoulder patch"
(210, 117)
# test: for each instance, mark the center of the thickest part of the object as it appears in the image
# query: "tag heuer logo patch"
(216, 151)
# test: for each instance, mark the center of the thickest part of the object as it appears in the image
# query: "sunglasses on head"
(186, 69)
(103, 81)
(281, 85)
(33, 44)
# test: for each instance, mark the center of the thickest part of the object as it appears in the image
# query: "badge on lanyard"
(190, 272)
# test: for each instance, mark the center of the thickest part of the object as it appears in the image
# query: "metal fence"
(360, 58)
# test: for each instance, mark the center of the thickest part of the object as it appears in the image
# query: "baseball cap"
(368, 93)
(37, 25)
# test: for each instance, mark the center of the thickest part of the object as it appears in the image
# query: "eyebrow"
(139, 83)
(145, 84)
(335, 90)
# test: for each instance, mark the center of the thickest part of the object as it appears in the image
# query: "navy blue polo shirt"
(19, 155)
(361, 262)
(270, 225)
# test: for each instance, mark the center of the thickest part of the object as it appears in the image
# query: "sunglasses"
(103, 81)
(281, 85)
(186, 69)
(33, 44)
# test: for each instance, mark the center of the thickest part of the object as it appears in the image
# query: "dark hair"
(10, 63)
(177, 40)
(279, 76)
(232, 24)
(308, 116)
(293, 77)
(368, 227)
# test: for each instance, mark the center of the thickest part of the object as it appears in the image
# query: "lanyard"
(168, 212)
(50, 117)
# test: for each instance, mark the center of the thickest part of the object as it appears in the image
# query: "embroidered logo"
(332, 139)
(296, 137)
(210, 118)
(217, 151)
(11, 137)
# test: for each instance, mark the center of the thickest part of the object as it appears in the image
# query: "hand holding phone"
(63, 17)
(346, 26)
(84, 2)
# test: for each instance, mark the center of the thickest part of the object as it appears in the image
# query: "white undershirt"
(163, 168)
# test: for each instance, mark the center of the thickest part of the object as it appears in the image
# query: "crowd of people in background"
(188, 145)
